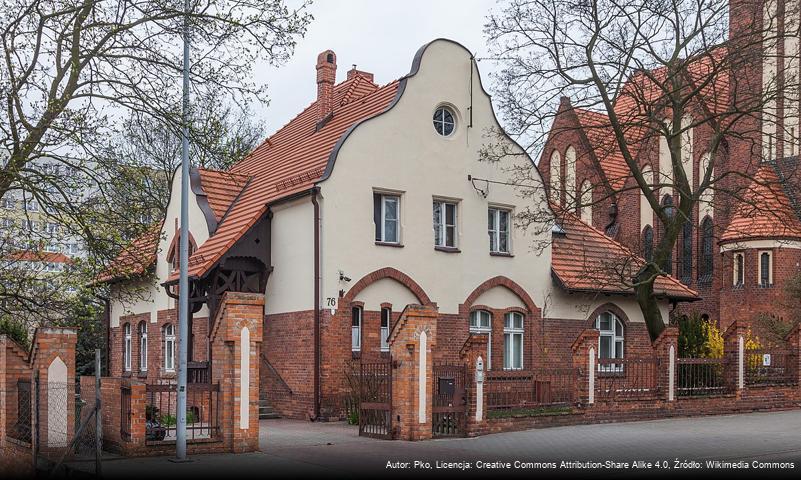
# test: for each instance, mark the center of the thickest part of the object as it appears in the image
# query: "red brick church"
(739, 253)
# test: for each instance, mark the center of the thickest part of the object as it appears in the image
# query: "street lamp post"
(183, 283)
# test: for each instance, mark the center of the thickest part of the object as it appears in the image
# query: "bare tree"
(95, 88)
(652, 81)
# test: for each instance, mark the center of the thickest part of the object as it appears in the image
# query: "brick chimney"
(326, 76)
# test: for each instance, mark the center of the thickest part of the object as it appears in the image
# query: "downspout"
(314, 193)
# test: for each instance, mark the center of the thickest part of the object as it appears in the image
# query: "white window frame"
(384, 331)
(440, 119)
(169, 347)
(769, 282)
(142, 331)
(356, 330)
(617, 342)
(386, 197)
(494, 229)
(738, 271)
(511, 331)
(476, 327)
(441, 228)
(126, 347)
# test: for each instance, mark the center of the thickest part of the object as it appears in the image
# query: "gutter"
(314, 192)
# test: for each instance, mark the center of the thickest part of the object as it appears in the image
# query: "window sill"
(501, 254)
(142, 374)
(389, 244)
(126, 374)
(355, 354)
(447, 249)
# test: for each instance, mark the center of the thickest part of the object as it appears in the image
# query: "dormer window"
(444, 121)
(174, 253)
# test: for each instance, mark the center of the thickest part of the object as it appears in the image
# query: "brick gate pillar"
(585, 358)
(734, 353)
(235, 338)
(665, 348)
(411, 342)
(475, 348)
(53, 363)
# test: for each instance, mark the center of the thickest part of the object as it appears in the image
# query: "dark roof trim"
(629, 293)
(202, 200)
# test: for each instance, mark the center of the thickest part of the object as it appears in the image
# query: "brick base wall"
(16, 461)
(287, 372)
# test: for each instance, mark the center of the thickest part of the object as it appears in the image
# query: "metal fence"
(20, 412)
(770, 367)
(700, 377)
(519, 391)
(628, 378)
(202, 413)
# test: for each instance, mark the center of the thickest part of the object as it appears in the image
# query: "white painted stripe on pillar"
(740, 362)
(422, 399)
(592, 375)
(479, 390)
(672, 374)
(244, 379)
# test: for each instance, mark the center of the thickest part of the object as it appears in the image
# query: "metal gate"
(449, 404)
(375, 399)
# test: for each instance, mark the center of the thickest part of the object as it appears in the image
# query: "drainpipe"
(314, 193)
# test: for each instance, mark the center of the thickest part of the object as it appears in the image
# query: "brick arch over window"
(380, 274)
(608, 307)
(502, 281)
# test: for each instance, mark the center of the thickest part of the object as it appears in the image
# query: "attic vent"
(307, 176)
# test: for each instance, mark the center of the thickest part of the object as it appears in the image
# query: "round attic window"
(444, 121)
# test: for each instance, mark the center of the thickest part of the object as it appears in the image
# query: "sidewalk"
(336, 449)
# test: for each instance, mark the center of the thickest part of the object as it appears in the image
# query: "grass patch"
(529, 412)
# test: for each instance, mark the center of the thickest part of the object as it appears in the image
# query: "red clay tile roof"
(290, 161)
(32, 256)
(634, 106)
(586, 260)
(599, 134)
(221, 189)
(765, 211)
(135, 258)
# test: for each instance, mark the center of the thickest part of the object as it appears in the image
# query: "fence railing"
(700, 377)
(198, 372)
(20, 429)
(770, 367)
(523, 390)
(202, 415)
(627, 378)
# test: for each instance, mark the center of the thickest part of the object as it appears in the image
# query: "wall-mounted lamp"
(410, 347)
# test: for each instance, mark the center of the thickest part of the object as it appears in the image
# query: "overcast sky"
(380, 37)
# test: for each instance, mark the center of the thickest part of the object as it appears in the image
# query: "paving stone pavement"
(335, 449)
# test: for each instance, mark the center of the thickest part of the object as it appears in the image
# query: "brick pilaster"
(474, 347)
(669, 338)
(417, 322)
(238, 311)
(733, 337)
(53, 363)
(586, 342)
